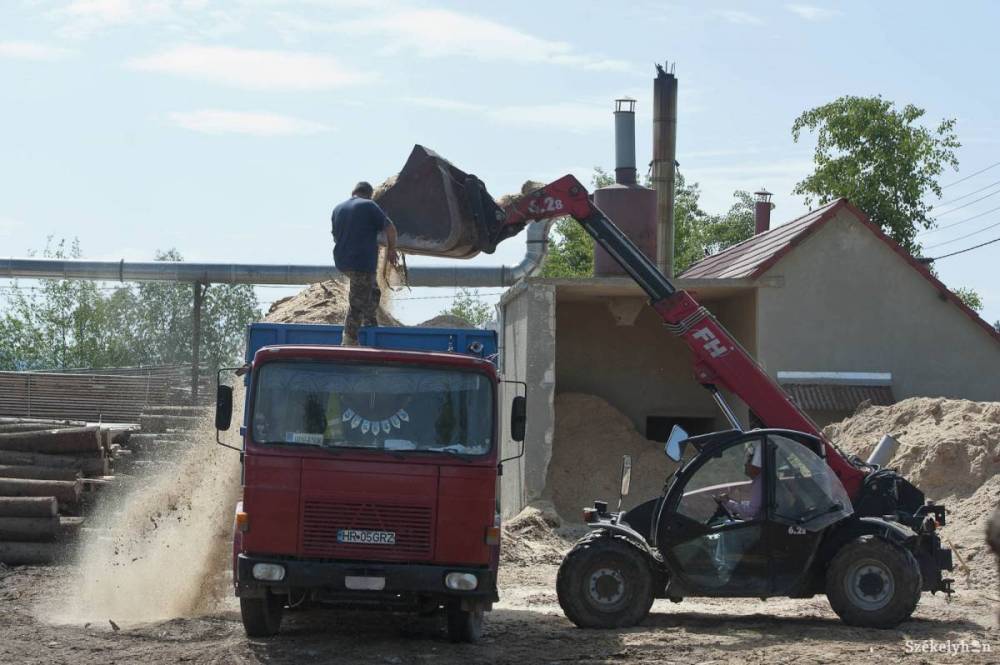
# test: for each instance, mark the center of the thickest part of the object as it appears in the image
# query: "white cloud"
(33, 51)
(738, 17)
(435, 33)
(80, 18)
(567, 116)
(256, 123)
(251, 69)
(8, 226)
(811, 13)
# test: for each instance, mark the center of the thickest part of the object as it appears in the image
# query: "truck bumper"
(328, 581)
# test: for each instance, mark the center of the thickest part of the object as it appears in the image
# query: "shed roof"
(755, 256)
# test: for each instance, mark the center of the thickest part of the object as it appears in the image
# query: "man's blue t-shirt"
(356, 225)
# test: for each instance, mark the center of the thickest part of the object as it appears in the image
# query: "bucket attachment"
(439, 210)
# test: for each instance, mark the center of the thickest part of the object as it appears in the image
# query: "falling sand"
(160, 548)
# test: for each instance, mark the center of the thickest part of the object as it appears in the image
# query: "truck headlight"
(268, 572)
(461, 581)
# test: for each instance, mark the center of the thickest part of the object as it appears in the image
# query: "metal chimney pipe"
(762, 208)
(664, 164)
(250, 273)
(625, 141)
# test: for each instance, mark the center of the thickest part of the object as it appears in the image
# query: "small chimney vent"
(762, 208)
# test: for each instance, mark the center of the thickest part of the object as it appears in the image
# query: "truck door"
(806, 498)
(715, 528)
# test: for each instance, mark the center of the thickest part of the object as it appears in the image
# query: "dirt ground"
(526, 627)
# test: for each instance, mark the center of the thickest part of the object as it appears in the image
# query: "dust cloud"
(159, 548)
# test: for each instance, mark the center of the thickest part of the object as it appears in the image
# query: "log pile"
(48, 470)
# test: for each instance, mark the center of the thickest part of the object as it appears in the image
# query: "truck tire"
(605, 582)
(873, 583)
(464, 625)
(262, 616)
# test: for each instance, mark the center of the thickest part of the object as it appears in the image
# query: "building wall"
(844, 301)
(641, 369)
(527, 348)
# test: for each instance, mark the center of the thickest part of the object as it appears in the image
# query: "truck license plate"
(360, 537)
(364, 583)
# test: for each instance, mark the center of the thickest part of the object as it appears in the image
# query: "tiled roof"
(839, 397)
(752, 257)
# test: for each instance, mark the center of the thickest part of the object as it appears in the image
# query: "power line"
(961, 221)
(966, 205)
(970, 175)
(975, 191)
(967, 235)
(967, 249)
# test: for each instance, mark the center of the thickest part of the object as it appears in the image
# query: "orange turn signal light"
(242, 522)
(492, 535)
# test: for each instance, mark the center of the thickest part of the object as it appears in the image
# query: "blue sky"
(229, 129)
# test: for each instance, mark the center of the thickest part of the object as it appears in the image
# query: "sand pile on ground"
(446, 321)
(590, 438)
(950, 449)
(535, 535)
(322, 302)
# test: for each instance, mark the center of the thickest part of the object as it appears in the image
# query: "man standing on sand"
(356, 224)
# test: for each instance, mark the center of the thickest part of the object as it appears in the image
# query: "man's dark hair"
(364, 189)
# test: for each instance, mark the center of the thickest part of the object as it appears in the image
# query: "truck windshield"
(381, 407)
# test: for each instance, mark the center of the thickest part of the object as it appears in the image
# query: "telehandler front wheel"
(262, 616)
(605, 582)
(873, 583)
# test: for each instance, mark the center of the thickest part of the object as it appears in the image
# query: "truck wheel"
(605, 582)
(262, 616)
(464, 625)
(873, 583)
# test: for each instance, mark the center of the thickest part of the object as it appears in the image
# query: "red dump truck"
(369, 474)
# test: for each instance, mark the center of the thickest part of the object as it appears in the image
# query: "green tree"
(970, 297)
(880, 158)
(469, 306)
(72, 323)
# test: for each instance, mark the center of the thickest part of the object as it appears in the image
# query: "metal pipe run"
(250, 273)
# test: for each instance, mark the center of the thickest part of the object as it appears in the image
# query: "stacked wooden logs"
(46, 469)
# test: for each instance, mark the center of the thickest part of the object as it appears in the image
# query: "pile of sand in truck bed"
(590, 438)
(322, 302)
(446, 321)
(950, 450)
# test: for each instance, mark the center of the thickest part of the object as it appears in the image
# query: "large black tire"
(262, 616)
(464, 625)
(873, 583)
(605, 582)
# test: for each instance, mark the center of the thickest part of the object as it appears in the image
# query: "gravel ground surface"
(526, 627)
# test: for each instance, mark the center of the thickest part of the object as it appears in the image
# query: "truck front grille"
(412, 525)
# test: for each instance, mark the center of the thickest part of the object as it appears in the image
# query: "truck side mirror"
(518, 418)
(223, 407)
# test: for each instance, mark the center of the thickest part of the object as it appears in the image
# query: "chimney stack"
(625, 141)
(664, 164)
(762, 208)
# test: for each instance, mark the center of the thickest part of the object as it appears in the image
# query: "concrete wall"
(527, 348)
(844, 301)
(641, 369)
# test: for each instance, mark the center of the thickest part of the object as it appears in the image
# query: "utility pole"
(199, 297)
(664, 164)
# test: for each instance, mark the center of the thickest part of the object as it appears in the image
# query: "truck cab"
(369, 473)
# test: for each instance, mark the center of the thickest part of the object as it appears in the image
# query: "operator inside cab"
(749, 509)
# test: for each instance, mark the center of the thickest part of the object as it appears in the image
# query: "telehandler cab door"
(712, 528)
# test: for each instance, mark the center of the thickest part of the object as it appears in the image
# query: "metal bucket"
(440, 210)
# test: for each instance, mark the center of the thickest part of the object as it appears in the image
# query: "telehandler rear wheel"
(262, 616)
(605, 582)
(873, 583)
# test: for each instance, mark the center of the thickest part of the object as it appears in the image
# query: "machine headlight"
(268, 572)
(461, 581)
